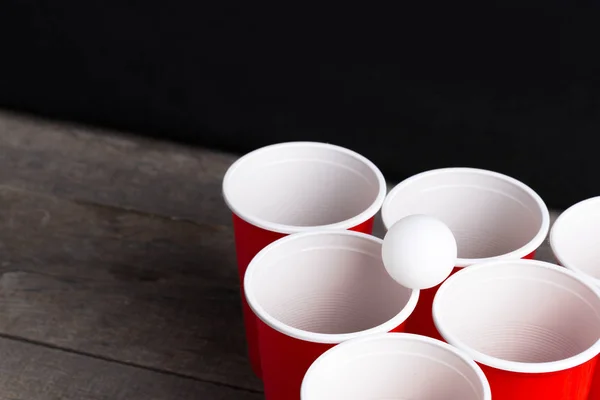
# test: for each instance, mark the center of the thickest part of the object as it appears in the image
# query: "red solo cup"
(575, 242)
(395, 366)
(295, 187)
(313, 290)
(533, 327)
(491, 215)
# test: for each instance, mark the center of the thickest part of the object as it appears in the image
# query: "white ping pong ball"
(419, 251)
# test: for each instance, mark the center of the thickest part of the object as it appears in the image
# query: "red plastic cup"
(491, 215)
(575, 242)
(314, 290)
(532, 326)
(295, 187)
(395, 366)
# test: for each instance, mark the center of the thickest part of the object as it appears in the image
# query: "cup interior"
(303, 185)
(575, 238)
(394, 366)
(489, 214)
(328, 283)
(519, 312)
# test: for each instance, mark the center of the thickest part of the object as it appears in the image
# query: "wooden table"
(117, 269)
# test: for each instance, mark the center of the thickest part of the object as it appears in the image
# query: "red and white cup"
(314, 290)
(575, 242)
(491, 215)
(296, 187)
(532, 326)
(395, 366)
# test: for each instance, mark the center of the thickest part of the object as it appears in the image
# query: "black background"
(512, 88)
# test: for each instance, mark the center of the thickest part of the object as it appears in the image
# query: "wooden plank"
(30, 372)
(123, 285)
(96, 166)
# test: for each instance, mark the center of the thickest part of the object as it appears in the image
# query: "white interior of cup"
(523, 315)
(290, 186)
(394, 366)
(490, 214)
(575, 238)
(326, 287)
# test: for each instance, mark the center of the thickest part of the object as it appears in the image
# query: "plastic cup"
(575, 242)
(295, 187)
(314, 290)
(533, 327)
(491, 215)
(575, 239)
(394, 366)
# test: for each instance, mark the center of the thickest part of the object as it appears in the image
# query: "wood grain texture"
(92, 165)
(127, 286)
(31, 372)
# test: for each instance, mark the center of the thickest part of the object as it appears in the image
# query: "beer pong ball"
(534, 327)
(491, 215)
(575, 239)
(394, 366)
(419, 251)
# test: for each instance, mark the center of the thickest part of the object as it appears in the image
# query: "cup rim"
(487, 393)
(326, 338)
(514, 366)
(367, 213)
(555, 244)
(521, 252)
